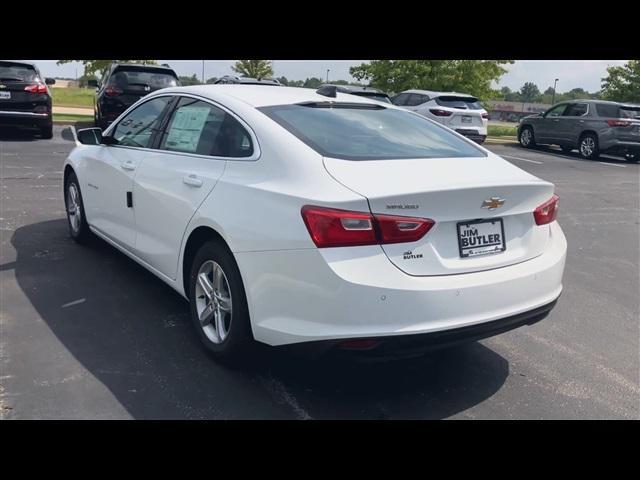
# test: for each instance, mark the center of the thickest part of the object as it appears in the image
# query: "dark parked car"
(372, 93)
(123, 84)
(247, 80)
(25, 99)
(591, 126)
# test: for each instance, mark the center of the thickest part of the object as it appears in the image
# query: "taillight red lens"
(440, 113)
(547, 212)
(618, 123)
(112, 91)
(38, 88)
(330, 227)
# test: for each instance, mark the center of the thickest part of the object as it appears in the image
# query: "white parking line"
(613, 164)
(523, 159)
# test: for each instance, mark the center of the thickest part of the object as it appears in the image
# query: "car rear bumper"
(310, 295)
(10, 118)
(615, 145)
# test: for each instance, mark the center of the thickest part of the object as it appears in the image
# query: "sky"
(586, 74)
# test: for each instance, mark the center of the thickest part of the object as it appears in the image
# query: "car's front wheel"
(78, 226)
(588, 146)
(218, 303)
(526, 137)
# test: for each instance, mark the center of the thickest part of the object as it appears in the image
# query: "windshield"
(136, 79)
(465, 103)
(14, 72)
(354, 131)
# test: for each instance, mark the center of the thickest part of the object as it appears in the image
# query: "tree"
(474, 77)
(530, 92)
(99, 67)
(622, 83)
(312, 82)
(254, 68)
(192, 80)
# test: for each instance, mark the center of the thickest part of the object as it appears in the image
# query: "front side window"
(368, 132)
(136, 128)
(556, 111)
(201, 128)
(401, 99)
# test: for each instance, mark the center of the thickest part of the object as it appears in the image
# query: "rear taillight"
(112, 91)
(618, 123)
(547, 212)
(330, 227)
(38, 88)
(485, 116)
(440, 113)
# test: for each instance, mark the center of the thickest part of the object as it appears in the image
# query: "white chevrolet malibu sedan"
(288, 216)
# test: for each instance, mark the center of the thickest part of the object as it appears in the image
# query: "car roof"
(353, 88)
(250, 80)
(141, 65)
(265, 95)
(434, 94)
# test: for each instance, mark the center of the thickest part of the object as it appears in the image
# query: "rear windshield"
(617, 111)
(16, 72)
(369, 132)
(138, 79)
(465, 103)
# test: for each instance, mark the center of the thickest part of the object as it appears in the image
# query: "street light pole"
(553, 99)
(327, 75)
(202, 71)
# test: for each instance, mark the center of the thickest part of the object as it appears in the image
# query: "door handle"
(128, 165)
(192, 180)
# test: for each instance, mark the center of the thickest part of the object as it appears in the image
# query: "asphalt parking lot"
(86, 333)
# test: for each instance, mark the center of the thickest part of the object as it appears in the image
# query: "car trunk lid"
(451, 191)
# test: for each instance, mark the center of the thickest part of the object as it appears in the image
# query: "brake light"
(112, 91)
(547, 212)
(330, 227)
(440, 113)
(618, 123)
(37, 88)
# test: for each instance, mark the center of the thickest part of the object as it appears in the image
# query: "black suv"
(124, 84)
(25, 99)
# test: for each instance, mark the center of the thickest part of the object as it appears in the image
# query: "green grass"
(498, 131)
(72, 97)
(72, 118)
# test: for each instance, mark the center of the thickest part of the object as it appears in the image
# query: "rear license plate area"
(481, 237)
(5, 95)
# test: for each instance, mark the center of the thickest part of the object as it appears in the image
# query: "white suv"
(458, 111)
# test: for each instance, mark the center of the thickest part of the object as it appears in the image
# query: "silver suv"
(591, 126)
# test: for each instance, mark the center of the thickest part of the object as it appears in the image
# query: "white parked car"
(458, 111)
(289, 217)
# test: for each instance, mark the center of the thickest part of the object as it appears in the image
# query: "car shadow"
(15, 134)
(574, 155)
(133, 334)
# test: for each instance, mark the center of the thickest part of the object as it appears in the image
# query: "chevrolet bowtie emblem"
(493, 203)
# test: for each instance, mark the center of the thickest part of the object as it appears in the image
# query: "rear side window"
(400, 99)
(142, 80)
(201, 128)
(617, 111)
(16, 72)
(416, 99)
(359, 132)
(463, 103)
(136, 129)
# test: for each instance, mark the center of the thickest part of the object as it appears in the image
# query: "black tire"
(239, 338)
(588, 146)
(81, 234)
(46, 131)
(633, 157)
(527, 142)
(566, 148)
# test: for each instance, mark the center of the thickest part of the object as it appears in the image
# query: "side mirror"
(92, 83)
(50, 81)
(93, 136)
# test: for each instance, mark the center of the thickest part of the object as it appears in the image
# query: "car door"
(546, 127)
(191, 155)
(572, 123)
(113, 168)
